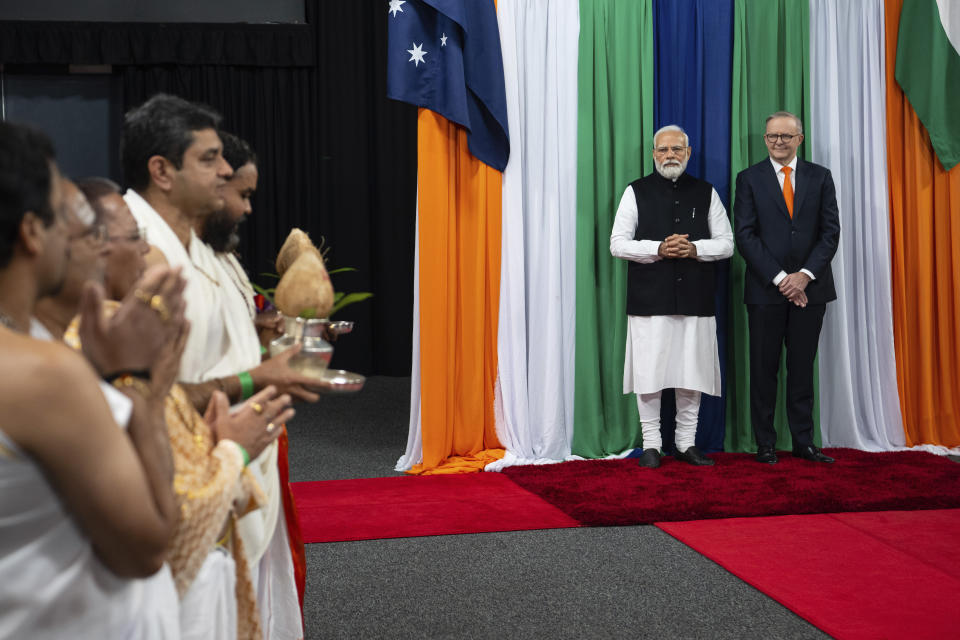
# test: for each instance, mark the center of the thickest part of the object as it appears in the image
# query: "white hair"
(671, 127)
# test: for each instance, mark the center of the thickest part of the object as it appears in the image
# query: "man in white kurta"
(271, 560)
(671, 326)
(168, 197)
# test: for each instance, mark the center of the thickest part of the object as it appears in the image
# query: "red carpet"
(854, 575)
(399, 507)
(618, 492)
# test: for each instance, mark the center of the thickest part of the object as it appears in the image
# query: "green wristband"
(243, 452)
(246, 384)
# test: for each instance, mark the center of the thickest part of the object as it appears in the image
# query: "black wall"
(253, 11)
(337, 158)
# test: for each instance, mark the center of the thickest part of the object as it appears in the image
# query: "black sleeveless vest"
(675, 286)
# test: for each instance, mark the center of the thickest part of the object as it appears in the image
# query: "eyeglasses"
(786, 137)
(663, 150)
(96, 234)
(136, 236)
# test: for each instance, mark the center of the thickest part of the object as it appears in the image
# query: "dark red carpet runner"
(854, 575)
(618, 492)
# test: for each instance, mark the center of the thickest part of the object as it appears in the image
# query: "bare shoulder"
(43, 381)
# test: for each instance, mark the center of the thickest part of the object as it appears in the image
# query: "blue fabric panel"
(693, 45)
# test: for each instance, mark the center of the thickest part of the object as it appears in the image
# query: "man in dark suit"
(787, 229)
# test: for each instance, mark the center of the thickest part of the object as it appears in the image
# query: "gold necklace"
(208, 276)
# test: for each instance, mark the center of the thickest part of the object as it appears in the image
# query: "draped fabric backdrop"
(614, 138)
(455, 67)
(693, 46)
(459, 202)
(534, 388)
(847, 134)
(770, 73)
(925, 228)
(717, 69)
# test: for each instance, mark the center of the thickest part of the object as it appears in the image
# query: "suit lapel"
(775, 192)
(803, 184)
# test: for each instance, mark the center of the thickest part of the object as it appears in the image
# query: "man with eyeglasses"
(86, 250)
(787, 229)
(126, 243)
(671, 228)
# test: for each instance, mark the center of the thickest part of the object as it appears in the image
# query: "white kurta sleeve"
(720, 244)
(622, 244)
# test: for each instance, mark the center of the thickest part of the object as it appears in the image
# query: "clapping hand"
(255, 424)
(149, 320)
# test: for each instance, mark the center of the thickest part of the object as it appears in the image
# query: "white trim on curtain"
(859, 402)
(535, 339)
(414, 453)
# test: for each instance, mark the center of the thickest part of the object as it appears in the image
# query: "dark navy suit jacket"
(770, 241)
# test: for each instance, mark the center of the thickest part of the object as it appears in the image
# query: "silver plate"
(340, 327)
(340, 381)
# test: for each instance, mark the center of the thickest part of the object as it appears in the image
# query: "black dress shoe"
(650, 458)
(694, 457)
(811, 453)
(766, 454)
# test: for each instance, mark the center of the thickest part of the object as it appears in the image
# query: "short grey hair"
(671, 127)
(785, 114)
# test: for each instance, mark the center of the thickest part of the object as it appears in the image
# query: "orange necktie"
(788, 189)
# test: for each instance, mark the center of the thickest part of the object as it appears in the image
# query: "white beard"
(672, 169)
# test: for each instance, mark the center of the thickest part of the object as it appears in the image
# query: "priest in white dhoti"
(273, 562)
(172, 159)
(671, 227)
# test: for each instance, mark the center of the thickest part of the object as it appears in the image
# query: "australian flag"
(445, 55)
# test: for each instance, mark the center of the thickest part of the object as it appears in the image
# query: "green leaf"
(348, 299)
(267, 274)
(341, 270)
(308, 313)
(266, 293)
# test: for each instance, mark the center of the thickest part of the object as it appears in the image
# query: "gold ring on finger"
(271, 427)
(142, 296)
(158, 305)
(257, 407)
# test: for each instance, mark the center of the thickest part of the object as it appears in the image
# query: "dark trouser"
(772, 326)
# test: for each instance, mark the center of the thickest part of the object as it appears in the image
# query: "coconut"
(305, 288)
(297, 243)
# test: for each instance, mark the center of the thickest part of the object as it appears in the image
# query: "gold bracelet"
(127, 381)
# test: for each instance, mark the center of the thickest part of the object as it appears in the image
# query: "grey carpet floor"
(609, 582)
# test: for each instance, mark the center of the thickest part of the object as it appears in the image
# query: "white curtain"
(534, 388)
(859, 403)
(414, 453)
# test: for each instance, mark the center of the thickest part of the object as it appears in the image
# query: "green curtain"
(614, 142)
(771, 72)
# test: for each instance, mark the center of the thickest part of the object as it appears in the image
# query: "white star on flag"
(395, 7)
(416, 54)
(443, 40)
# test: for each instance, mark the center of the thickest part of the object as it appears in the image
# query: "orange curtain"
(925, 232)
(459, 219)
